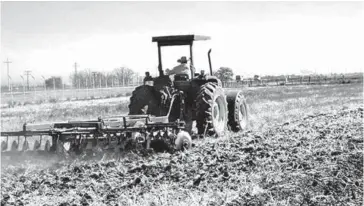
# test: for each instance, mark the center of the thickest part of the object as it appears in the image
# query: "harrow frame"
(109, 133)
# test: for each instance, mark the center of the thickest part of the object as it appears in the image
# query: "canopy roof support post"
(191, 64)
(160, 61)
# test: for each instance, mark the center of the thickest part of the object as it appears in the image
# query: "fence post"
(35, 93)
(54, 88)
(45, 90)
(62, 90)
(79, 89)
(12, 97)
(86, 88)
(23, 92)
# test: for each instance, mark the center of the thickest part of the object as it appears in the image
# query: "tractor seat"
(181, 77)
(182, 82)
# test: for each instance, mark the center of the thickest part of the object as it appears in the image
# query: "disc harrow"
(118, 133)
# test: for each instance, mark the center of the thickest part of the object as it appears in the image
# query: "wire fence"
(300, 80)
(40, 94)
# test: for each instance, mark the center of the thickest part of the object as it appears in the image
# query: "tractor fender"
(213, 79)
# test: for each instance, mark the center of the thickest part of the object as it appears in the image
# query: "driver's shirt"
(181, 69)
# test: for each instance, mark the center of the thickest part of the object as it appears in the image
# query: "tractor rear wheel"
(238, 111)
(212, 111)
(144, 101)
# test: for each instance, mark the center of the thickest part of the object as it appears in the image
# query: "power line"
(7, 62)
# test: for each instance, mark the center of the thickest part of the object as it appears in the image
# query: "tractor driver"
(147, 77)
(182, 68)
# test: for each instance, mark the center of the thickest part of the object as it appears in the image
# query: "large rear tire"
(212, 111)
(144, 101)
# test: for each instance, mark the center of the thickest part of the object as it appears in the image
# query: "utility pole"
(54, 87)
(23, 88)
(7, 62)
(62, 89)
(106, 90)
(44, 83)
(45, 86)
(35, 94)
(93, 83)
(93, 79)
(79, 86)
(76, 77)
(86, 87)
(27, 73)
(11, 92)
(100, 78)
(106, 80)
(123, 76)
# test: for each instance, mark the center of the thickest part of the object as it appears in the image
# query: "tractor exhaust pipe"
(208, 54)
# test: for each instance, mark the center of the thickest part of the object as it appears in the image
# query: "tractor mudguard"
(213, 79)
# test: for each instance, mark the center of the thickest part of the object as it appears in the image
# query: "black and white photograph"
(182, 103)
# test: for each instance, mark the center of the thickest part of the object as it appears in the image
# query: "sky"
(249, 37)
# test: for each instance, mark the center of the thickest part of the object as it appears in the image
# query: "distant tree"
(124, 75)
(88, 79)
(224, 74)
(54, 81)
(238, 78)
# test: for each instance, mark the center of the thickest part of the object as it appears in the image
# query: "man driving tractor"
(182, 68)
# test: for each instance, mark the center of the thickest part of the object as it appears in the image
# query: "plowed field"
(311, 159)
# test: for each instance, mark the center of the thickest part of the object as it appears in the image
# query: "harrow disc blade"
(4, 145)
(25, 145)
(47, 146)
(14, 146)
(63, 147)
(36, 145)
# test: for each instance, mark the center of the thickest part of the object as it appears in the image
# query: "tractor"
(162, 110)
(201, 96)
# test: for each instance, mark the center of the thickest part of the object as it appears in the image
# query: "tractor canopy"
(176, 40)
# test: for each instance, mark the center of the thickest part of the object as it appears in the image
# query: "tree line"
(87, 78)
(122, 76)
